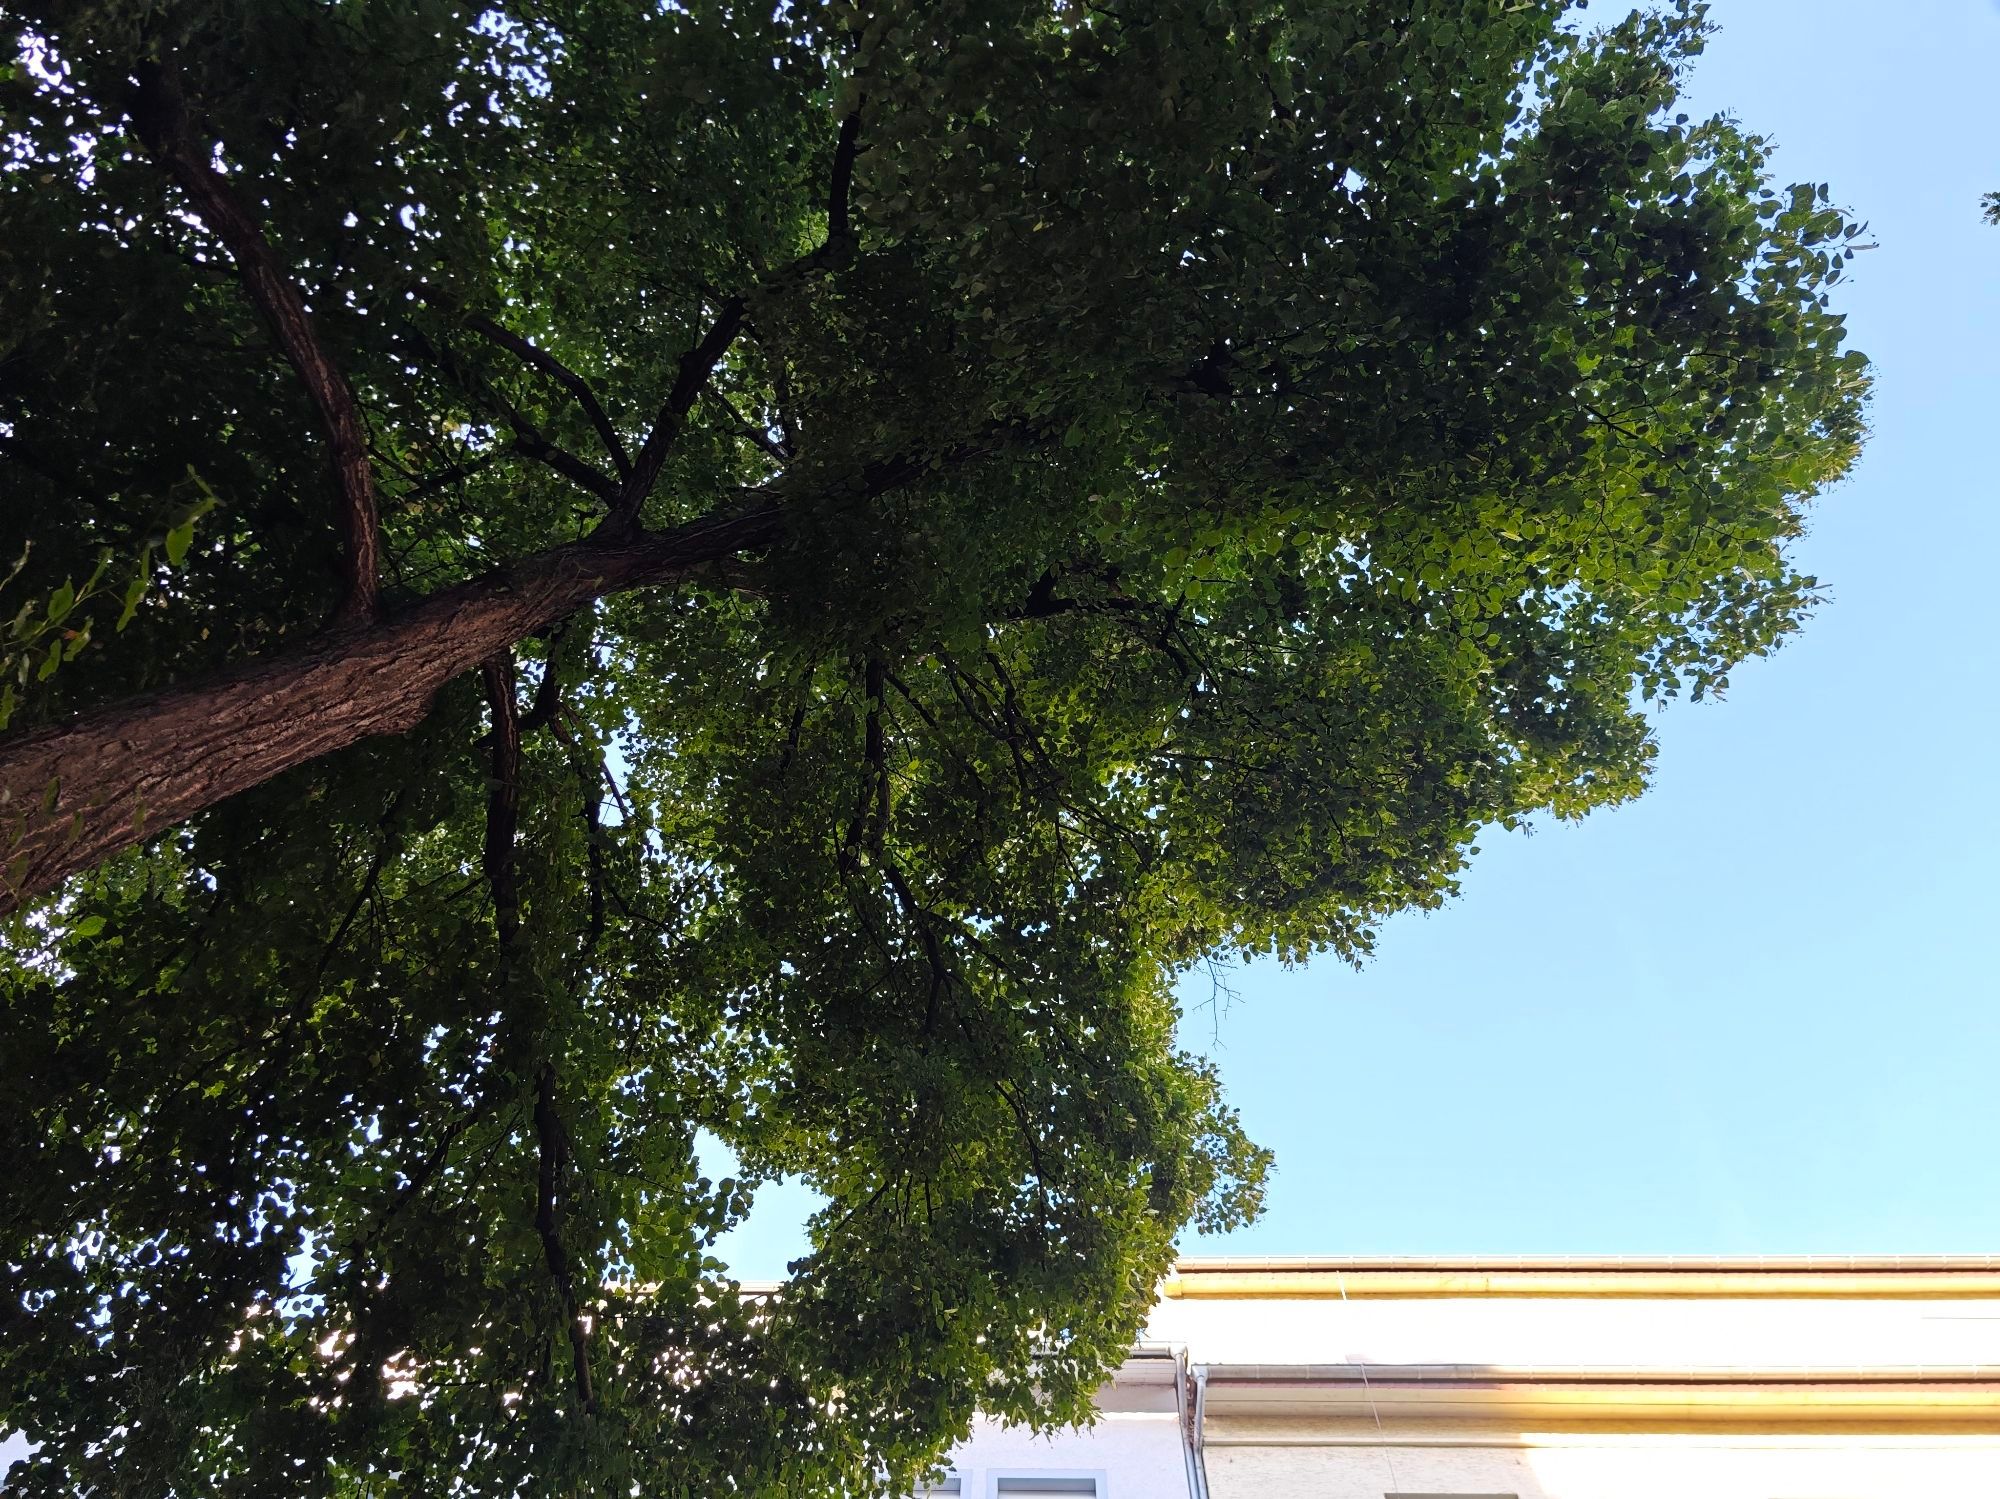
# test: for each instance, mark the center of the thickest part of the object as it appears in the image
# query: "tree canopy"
(587, 572)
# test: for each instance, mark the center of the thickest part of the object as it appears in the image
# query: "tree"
(593, 572)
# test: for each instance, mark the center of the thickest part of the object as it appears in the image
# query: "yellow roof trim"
(1641, 1281)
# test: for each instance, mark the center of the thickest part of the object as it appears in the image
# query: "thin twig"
(503, 799)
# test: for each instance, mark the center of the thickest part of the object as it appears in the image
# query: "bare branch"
(503, 798)
(839, 227)
(414, 1184)
(696, 366)
(160, 119)
(870, 823)
(699, 363)
(383, 846)
(533, 354)
(422, 488)
(1044, 602)
(544, 711)
(554, 1156)
(530, 443)
(749, 429)
(529, 440)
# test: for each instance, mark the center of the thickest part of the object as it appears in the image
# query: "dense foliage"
(1110, 484)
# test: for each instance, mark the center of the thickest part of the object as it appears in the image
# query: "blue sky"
(1755, 1011)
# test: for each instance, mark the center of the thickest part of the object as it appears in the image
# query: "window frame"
(1096, 1476)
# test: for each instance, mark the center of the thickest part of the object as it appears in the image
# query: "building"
(1769, 1378)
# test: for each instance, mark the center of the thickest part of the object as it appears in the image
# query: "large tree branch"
(160, 119)
(73, 794)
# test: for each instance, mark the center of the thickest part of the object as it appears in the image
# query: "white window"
(946, 1487)
(1029, 1485)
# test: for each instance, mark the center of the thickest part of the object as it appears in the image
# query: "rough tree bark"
(160, 118)
(73, 794)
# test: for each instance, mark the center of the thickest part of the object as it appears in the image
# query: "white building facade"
(1773, 1378)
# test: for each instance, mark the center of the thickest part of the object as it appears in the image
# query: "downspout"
(1184, 1419)
(1198, 1461)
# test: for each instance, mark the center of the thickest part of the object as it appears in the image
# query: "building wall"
(1682, 1466)
(1585, 1332)
(1140, 1455)
(1264, 1439)
(1668, 1380)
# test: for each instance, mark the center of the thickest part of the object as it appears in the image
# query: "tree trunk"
(73, 794)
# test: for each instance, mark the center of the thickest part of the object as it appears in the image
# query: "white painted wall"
(1140, 1455)
(1830, 1467)
(1544, 1332)
(1308, 1458)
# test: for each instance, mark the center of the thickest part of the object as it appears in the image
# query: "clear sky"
(1754, 1012)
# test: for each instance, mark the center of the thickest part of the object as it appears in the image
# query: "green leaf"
(136, 589)
(178, 540)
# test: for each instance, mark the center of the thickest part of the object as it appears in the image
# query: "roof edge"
(1219, 1264)
(1904, 1277)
